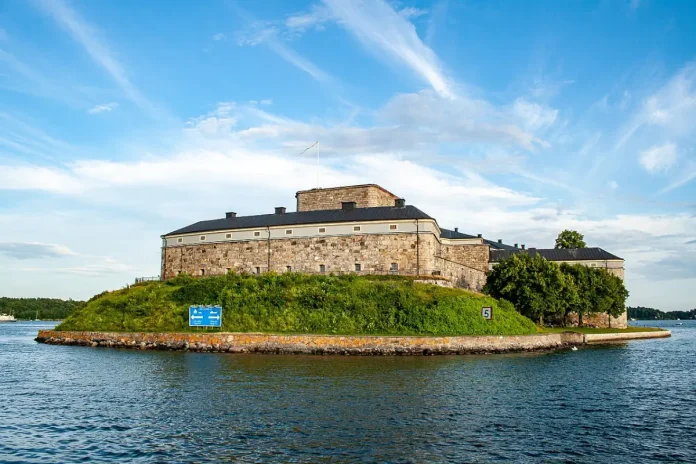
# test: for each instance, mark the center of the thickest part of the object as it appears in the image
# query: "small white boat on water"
(7, 318)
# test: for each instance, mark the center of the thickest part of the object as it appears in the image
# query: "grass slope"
(297, 303)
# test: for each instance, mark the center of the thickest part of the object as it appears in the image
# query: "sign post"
(205, 316)
(487, 312)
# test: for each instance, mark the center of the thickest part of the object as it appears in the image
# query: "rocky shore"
(332, 344)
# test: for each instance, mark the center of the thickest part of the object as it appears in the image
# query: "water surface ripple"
(628, 403)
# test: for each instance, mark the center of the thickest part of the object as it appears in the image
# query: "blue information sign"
(205, 316)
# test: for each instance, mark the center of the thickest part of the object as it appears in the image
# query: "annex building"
(361, 229)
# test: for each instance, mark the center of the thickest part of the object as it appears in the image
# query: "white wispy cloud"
(317, 16)
(105, 107)
(380, 28)
(86, 35)
(672, 108)
(659, 157)
(263, 33)
(267, 101)
(34, 250)
(219, 37)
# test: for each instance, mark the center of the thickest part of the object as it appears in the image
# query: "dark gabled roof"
(451, 234)
(379, 213)
(557, 254)
(499, 246)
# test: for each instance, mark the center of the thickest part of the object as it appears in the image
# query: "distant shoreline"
(336, 344)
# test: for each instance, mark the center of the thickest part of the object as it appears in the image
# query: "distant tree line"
(652, 314)
(545, 291)
(38, 308)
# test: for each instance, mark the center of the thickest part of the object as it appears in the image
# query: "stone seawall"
(321, 344)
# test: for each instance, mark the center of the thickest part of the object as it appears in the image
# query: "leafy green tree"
(570, 239)
(535, 286)
(598, 291)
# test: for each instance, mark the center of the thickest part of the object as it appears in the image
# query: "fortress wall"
(375, 253)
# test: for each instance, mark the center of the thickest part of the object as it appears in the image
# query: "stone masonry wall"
(339, 254)
(375, 253)
(333, 344)
(475, 256)
(330, 198)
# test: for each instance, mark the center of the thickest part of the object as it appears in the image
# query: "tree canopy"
(542, 289)
(570, 239)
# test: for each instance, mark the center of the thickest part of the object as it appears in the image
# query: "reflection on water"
(624, 403)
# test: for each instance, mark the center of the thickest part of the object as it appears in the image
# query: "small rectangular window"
(257, 234)
(202, 272)
(593, 265)
(288, 231)
(258, 270)
(393, 227)
(356, 228)
(322, 268)
(322, 230)
(202, 238)
(358, 267)
(228, 236)
(229, 269)
(180, 240)
(288, 268)
(394, 268)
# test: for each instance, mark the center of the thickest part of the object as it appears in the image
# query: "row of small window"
(394, 267)
(322, 230)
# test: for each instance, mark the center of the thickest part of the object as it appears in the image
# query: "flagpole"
(317, 164)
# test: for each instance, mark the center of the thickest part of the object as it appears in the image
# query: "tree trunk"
(579, 319)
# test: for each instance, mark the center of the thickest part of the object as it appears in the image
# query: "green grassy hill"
(297, 303)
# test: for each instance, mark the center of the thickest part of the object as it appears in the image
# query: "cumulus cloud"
(34, 250)
(659, 158)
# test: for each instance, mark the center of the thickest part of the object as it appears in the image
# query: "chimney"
(456, 230)
(516, 245)
(479, 235)
(230, 215)
(500, 240)
(348, 205)
(400, 203)
(280, 210)
(523, 246)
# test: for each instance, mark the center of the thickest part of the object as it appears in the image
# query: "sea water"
(633, 402)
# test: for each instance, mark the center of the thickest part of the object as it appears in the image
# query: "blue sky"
(121, 121)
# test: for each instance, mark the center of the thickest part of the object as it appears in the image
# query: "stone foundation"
(329, 344)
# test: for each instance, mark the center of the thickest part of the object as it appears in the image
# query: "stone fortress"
(362, 229)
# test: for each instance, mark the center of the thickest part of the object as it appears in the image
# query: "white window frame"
(322, 230)
(357, 228)
(202, 238)
(393, 227)
(228, 235)
(394, 267)
(288, 231)
(257, 233)
(180, 240)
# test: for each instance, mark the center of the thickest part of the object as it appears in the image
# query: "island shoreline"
(361, 345)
